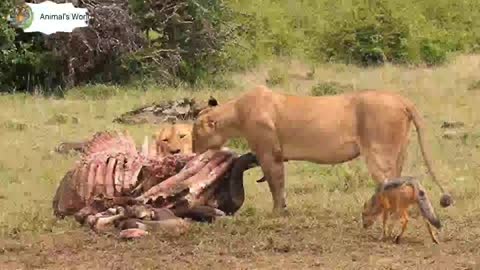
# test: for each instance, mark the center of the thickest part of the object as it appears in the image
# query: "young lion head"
(177, 136)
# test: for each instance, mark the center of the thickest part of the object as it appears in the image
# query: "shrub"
(475, 85)
(368, 36)
(276, 76)
(433, 53)
(329, 88)
(358, 31)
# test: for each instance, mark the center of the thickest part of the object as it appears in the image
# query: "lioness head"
(205, 133)
(177, 136)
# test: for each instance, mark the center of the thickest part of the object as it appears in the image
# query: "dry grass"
(323, 231)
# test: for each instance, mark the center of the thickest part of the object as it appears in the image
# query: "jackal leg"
(404, 221)
(390, 229)
(384, 228)
(432, 233)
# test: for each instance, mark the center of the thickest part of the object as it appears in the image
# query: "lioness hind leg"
(400, 162)
(402, 153)
(383, 142)
(381, 166)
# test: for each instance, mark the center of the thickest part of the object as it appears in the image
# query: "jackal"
(394, 197)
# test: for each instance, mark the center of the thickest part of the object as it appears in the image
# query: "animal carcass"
(113, 183)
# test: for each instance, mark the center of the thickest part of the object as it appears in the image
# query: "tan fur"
(177, 136)
(395, 203)
(325, 130)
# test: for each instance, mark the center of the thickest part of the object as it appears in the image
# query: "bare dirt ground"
(323, 230)
(320, 239)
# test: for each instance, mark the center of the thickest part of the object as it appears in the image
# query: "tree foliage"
(166, 40)
(186, 38)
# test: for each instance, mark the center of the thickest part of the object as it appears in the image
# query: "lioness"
(325, 130)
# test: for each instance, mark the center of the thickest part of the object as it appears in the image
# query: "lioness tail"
(446, 199)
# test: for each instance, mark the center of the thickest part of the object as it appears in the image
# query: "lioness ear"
(212, 102)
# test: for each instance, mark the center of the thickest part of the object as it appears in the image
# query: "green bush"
(433, 53)
(13, 125)
(369, 36)
(329, 88)
(475, 85)
(276, 76)
(359, 31)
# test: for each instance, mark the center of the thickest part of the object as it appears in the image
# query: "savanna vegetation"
(426, 50)
(194, 42)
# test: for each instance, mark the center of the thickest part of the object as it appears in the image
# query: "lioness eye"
(182, 135)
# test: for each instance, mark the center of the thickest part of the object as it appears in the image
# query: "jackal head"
(371, 210)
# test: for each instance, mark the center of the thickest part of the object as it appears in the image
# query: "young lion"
(325, 130)
(394, 198)
(178, 136)
(172, 139)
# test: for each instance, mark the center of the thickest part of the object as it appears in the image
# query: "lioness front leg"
(271, 161)
(274, 174)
